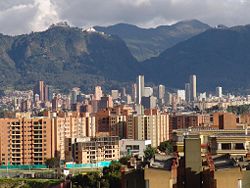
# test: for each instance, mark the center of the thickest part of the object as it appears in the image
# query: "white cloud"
(45, 15)
(22, 16)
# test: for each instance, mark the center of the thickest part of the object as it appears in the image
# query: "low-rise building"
(133, 147)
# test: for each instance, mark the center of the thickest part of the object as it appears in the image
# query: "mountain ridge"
(66, 57)
(145, 43)
(216, 56)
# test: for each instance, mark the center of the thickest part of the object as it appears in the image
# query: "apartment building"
(72, 126)
(26, 141)
(152, 127)
(94, 150)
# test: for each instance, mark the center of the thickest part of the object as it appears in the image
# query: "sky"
(25, 16)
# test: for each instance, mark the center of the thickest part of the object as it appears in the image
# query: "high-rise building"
(169, 98)
(149, 102)
(140, 88)
(192, 87)
(50, 93)
(46, 93)
(39, 90)
(148, 91)
(152, 127)
(123, 92)
(74, 93)
(187, 92)
(134, 92)
(219, 92)
(54, 104)
(115, 94)
(26, 141)
(181, 95)
(105, 102)
(161, 91)
(98, 93)
(72, 126)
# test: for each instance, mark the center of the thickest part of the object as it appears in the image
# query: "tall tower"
(161, 92)
(140, 88)
(192, 80)
(134, 93)
(219, 92)
(39, 90)
(98, 92)
(187, 92)
(74, 93)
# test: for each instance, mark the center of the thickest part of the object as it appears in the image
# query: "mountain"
(146, 43)
(65, 57)
(219, 57)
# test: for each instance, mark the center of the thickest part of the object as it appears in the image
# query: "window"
(239, 146)
(225, 146)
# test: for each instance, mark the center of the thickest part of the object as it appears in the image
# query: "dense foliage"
(52, 162)
(124, 160)
(65, 57)
(149, 153)
(166, 146)
(28, 183)
(239, 109)
(110, 178)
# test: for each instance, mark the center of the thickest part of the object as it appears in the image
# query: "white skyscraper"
(161, 92)
(148, 91)
(140, 88)
(219, 92)
(181, 95)
(192, 81)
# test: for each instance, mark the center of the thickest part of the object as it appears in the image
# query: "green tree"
(149, 153)
(89, 180)
(52, 162)
(124, 160)
(112, 174)
(166, 146)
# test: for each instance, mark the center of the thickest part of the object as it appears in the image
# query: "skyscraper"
(74, 93)
(46, 92)
(39, 90)
(148, 91)
(219, 92)
(98, 93)
(134, 93)
(161, 91)
(187, 92)
(140, 88)
(192, 87)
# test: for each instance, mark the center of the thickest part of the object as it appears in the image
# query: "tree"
(124, 160)
(112, 174)
(89, 180)
(166, 146)
(149, 153)
(52, 162)
(114, 167)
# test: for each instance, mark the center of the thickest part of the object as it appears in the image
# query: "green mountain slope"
(217, 56)
(147, 43)
(65, 57)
